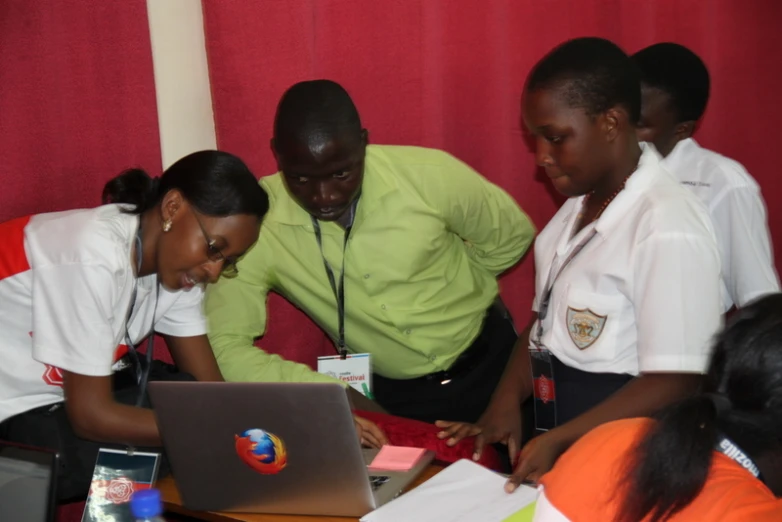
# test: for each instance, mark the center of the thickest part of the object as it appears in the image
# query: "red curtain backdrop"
(77, 101)
(449, 73)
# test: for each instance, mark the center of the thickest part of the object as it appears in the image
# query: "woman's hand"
(369, 433)
(537, 457)
(500, 423)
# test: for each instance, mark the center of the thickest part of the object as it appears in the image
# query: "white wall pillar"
(183, 91)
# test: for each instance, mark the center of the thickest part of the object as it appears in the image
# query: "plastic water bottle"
(147, 506)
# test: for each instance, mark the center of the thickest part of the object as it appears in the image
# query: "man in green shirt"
(420, 238)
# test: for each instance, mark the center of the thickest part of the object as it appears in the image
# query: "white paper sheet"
(462, 492)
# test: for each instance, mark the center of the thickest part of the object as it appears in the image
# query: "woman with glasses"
(627, 272)
(80, 289)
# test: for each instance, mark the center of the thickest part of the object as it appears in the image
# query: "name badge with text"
(118, 474)
(355, 369)
(544, 388)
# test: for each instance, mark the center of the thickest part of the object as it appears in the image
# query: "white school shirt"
(738, 213)
(644, 294)
(66, 280)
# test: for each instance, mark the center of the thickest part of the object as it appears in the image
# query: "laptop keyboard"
(377, 480)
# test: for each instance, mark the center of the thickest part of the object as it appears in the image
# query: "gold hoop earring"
(166, 225)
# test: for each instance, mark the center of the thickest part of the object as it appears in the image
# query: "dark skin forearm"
(95, 415)
(194, 355)
(642, 397)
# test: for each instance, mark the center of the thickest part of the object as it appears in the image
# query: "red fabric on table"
(417, 434)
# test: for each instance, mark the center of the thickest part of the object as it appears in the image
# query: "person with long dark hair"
(716, 456)
(80, 289)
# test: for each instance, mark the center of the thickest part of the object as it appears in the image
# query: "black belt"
(467, 361)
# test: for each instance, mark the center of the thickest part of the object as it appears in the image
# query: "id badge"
(544, 388)
(355, 369)
(117, 476)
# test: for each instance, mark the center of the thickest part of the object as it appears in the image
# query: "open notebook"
(463, 492)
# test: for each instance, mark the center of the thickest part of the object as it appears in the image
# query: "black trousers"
(49, 427)
(471, 380)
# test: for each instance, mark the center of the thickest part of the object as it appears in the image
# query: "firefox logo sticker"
(262, 451)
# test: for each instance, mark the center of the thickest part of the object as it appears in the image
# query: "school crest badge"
(584, 326)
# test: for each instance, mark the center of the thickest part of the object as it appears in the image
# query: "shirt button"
(366, 276)
(433, 358)
(408, 331)
(383, 307)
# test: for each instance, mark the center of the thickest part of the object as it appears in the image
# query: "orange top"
(583, 486)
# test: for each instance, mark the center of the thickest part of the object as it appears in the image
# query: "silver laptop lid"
(28, 483)
(263, 447)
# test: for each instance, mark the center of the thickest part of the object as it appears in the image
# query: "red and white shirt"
(66, 281)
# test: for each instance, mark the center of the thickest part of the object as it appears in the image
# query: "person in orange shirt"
(714, 456)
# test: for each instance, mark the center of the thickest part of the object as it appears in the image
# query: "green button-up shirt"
(429, 238)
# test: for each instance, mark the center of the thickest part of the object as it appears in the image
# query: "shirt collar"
(680, 152)
(648, 169)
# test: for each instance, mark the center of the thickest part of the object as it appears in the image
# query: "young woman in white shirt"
(79, 289)
(675, 89)
(627, 272)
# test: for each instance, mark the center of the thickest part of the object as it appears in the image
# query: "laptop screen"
(27, 483)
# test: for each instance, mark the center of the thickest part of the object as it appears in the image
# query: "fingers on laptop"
(370, 433)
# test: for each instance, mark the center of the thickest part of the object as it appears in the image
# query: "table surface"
(173, 504)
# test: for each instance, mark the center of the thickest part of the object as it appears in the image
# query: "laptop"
(28, 483)
(287, 448)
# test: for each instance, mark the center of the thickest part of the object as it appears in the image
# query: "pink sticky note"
(396, 458)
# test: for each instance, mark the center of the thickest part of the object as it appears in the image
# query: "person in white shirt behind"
(674, 93)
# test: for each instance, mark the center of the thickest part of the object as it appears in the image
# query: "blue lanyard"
(339, 292)
(141, 369)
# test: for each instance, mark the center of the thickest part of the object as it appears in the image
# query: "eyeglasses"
(214, 254)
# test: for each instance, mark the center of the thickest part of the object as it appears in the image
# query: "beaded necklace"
(605, 203)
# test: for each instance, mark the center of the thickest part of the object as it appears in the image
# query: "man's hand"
(369, 433)
(501, 423)
(537, 458)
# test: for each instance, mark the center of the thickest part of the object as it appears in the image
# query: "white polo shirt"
(66, 281)
(644, 294)
(738, 213)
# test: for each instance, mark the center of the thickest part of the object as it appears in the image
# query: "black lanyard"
(543, 304)
(339, 292)
(141, 369)
(732, 450)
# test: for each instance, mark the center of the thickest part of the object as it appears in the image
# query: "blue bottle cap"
(146, 503)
